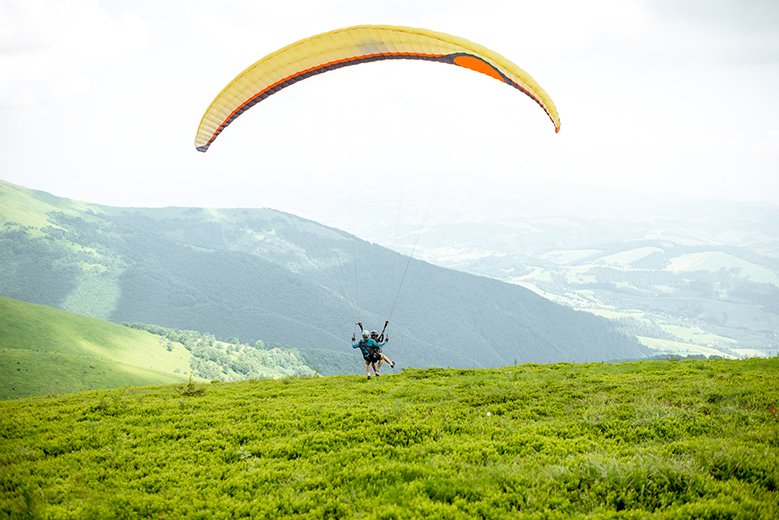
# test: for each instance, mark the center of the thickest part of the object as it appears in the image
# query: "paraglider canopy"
(352, 46)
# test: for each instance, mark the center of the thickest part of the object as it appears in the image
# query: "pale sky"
(100, 101)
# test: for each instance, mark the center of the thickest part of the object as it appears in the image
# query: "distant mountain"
(686, 277)
(259, 274)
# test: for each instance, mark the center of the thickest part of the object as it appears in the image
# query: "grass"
(46, 350)
(685, 439)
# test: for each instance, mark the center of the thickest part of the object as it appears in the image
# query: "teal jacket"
(366, 345)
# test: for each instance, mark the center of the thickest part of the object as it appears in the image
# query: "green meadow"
(48, 351)
(658, 439)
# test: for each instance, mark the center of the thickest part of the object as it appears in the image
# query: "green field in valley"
(660, 439)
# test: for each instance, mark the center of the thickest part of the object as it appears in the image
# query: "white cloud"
(51, 50)
(100, 101)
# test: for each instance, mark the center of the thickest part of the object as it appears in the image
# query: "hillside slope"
(691, 439)
(263, 274)
(49, 351)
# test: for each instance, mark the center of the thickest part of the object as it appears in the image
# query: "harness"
(369, 353)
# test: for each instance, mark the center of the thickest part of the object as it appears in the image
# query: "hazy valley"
(686, 277)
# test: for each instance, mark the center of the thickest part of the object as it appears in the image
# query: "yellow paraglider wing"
(352, 46)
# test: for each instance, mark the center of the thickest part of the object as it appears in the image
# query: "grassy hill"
(32, 209)
(687, 439)
(46, 350)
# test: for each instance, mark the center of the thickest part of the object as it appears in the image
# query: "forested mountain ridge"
(260, 274)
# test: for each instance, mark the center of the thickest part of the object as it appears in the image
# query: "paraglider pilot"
(371, 352)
